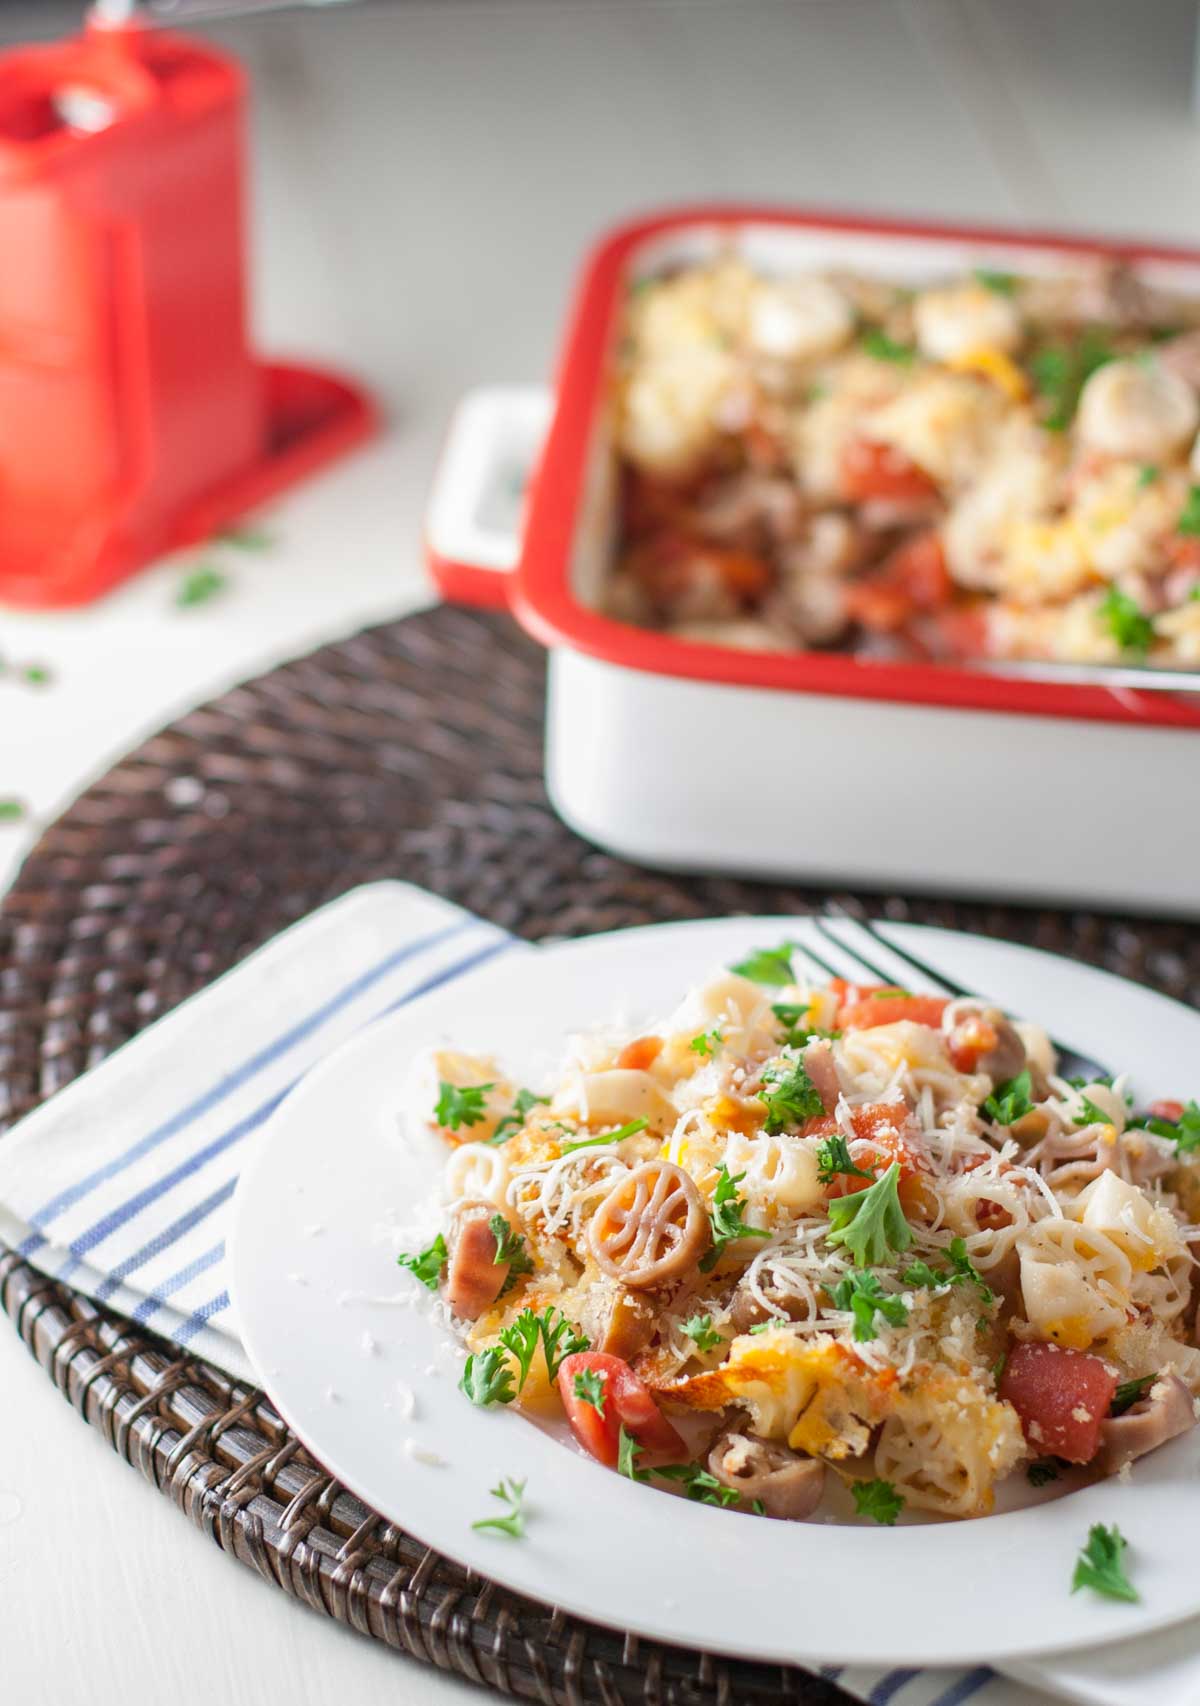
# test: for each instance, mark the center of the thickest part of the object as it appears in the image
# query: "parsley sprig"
(1189, 519)
(511, 1493)
(834, 1161)
(700, 1330)
(588, 1387)
(460, 1105)
(1041, 1472)
(768, 965)
(706, 1044)
(1011, 1100)
(961, 1271)
(1101, 1564)
(426, 1265)
(628, 1452)
(861, 1293)
(789, 1094)
(726, 1217)
(1184, 1133)
(1060, 371)
(558, 1337)
(700, 1484)
(1130, 1392)
(510, 1248)
(629, 1129)
(877, 1499)
(871, 1223)
(797, 1031)
(487, 1378)
(523, 1105)
(876, 343)
(1126, 621)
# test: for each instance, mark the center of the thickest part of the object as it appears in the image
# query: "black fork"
(1071, 1064)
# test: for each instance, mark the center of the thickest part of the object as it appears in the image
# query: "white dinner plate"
(323, 1312)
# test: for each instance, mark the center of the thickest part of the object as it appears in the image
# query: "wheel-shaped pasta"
(477, 1171)
(651, 1227)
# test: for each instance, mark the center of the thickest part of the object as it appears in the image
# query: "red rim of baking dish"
(541, 595)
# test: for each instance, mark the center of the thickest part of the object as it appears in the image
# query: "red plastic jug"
(134, 416)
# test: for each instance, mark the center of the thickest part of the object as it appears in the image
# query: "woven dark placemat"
(410, 751)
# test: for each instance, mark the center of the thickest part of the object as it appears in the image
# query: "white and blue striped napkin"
(121, 1184)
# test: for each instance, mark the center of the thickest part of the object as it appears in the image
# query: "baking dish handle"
(476, 510)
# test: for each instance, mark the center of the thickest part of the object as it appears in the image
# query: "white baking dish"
(807, 764)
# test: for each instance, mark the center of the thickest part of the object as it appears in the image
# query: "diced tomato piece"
(640, 1054)
(872, 1010)
(1183, 550)
(884, 1126)
(971, 1040)
(877, 605)
(960, 631)
(1167, 1110)
(628, 1403)
(914, 578)
(1061, 1396)
(672, 566)
(871, 470)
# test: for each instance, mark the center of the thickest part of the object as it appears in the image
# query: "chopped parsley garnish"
(588, 1387)
(1060, 372)
(199, 586)
(1041, 1473)
(487, 1378)
(628, 1452)
(762, 1326)
(726, 1216)
(790, 1095)
(877, 343)
(1126, 622)
(768, 965)
(1129, 1392)
(1184, 1133)
(1147, 474)
(998, 1367)
(700, 1484)
(1002, 283)
(459, 1106)
(833, 1161)
(871, 1223)
(1189, 518)
(426, 1264)
(1010, 1101)
(706, 1044)
(512, 1494)
(1101, 1564)
(796, 1029)
(877, 1499)
(701, 1332)
(522, 1107)
(861, 1293)
(510, 1248)
(1089, 1113)
(630, 1129)
(962, 1271)
(558, 1337)
(36, 675)
(12, 811)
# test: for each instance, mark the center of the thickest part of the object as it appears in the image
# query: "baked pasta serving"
(806, 1243)
(995, 466)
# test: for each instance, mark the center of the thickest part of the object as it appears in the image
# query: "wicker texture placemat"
(412, 751)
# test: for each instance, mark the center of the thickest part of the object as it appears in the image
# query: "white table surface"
(426, 175)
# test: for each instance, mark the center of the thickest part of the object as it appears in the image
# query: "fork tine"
(811, 954)
(910, 960)
(1070, 1061)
